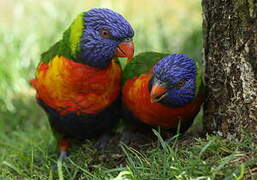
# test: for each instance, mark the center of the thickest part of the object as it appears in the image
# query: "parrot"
(78, 79)
(160, 90)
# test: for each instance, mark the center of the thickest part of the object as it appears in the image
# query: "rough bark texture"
(230, 56)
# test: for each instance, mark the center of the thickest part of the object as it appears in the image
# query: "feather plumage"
(139, 76)
(78, 78)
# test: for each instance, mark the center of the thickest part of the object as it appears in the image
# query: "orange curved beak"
(157, 93)
(125, 49)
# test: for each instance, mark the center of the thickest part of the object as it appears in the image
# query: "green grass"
(188, 158)
(27, 147)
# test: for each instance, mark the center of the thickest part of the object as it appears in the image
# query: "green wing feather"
(199, 78)
(140, 64)
(69, 45)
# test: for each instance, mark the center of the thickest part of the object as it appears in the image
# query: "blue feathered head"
(106, 34)
(174, 80)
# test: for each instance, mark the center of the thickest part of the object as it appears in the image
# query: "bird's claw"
(130, 136)
(102, 142)
(63, 155)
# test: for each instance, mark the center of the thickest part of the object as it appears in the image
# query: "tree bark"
(230, 57)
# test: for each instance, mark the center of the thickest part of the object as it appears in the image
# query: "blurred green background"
(29, 27)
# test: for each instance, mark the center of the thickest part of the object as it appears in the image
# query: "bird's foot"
(126, 137)
(130, 136)
(63, 146)
(102, 142)
(63, 155)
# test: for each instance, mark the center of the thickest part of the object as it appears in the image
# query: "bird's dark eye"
(127, 39)
(104, 33)
(179, 84)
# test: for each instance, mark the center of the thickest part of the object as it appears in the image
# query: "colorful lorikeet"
(162, 90)
(78, 79)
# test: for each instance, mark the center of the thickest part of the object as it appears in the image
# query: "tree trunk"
(230, 56)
